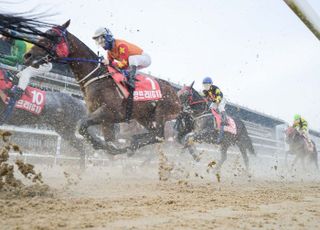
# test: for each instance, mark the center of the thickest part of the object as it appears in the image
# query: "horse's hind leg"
(245, 157)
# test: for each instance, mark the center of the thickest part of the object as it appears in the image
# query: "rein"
(66, 60)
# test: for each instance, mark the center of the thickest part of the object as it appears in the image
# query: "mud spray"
(9, 184)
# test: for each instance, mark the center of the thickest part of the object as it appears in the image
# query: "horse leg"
(155, 135)
(95, 118)
(108, 131)
(207, 136)
(223, 151)
(245, 157)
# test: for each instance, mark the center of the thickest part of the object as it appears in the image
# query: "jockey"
(301, 125)
(125, 56)
(218, 102)
(18, 49)
(122, 54)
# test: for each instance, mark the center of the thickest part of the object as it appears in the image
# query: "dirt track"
(105, 198)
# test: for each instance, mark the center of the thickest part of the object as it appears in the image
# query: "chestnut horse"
(105, 104)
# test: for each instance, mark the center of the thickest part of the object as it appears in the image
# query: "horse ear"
(66, 24)
(191, 85)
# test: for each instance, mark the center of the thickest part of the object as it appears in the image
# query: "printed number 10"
(37, 97)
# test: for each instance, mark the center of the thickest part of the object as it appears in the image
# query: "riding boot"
(221, 130)
(132, 76)
(129, 106)
(15, 94)
(131, 87)
(224, 118)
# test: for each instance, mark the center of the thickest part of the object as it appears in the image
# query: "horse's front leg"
(94, 118)
(223, 158)
(99, 117)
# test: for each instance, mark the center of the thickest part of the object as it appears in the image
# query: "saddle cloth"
(231, 125)
(146, 87)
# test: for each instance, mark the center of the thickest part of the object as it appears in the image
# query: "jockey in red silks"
(122, 54)
(125, 56)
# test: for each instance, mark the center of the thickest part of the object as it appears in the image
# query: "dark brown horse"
(199, 125)
(105, 104)
(299, 147)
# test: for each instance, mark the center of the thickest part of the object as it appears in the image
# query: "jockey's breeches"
(140, 61)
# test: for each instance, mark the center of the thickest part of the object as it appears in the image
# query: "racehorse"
(204, 128)
(299, 146)
(60, 112)
(105, 103)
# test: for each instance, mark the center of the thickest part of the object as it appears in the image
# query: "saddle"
(231, 125)
(32, 100)
(147, 88)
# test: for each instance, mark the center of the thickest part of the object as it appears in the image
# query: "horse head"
(60, 46)
(185, 94)
(189, 96)
(51, 47)
(291, 134)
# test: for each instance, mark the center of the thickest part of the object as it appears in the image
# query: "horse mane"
(84, 45)
(31, 28)
(27, 27)
(196, 95)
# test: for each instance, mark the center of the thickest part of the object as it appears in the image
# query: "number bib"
(32, 100)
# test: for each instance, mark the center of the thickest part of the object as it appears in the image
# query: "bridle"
(60, 50)
(190, 97)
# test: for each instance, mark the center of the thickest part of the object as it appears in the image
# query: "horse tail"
(245, 138)
(249, 144)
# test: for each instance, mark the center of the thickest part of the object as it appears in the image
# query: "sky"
(257, 51)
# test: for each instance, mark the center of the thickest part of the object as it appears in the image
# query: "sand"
(173, 194)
